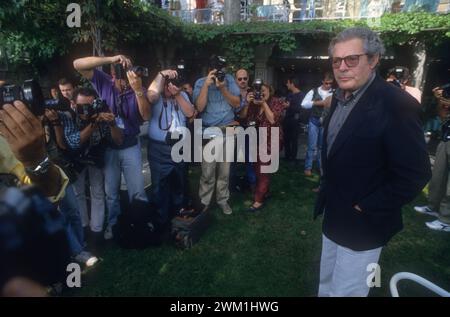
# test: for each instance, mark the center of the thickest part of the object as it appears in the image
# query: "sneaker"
(226, 208)
(425, 210)
(438, 225)
(86, 258)
(108, 235)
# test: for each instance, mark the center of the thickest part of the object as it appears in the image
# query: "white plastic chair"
(420, 280)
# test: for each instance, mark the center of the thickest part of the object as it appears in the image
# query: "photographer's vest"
(316, 110)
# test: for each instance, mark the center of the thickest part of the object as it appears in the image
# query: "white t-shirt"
(307, 102)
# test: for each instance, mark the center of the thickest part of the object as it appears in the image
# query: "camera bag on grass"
(137, 226)
(187, 229)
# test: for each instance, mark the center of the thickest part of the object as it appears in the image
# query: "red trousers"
(262, 182)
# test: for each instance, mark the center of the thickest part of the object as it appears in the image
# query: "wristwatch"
(40, 169)
(139, 93)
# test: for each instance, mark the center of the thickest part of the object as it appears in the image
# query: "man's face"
(242, 79)
(84, 101)
(289, 85)
(187, 88)
(327, 84)
(351, 78)
(66, 91)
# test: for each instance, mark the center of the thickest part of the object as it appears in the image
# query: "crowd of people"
(364, 135)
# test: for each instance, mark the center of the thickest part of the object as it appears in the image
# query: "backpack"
(138, 226)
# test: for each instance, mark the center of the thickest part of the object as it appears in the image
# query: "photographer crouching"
(171, 110)
(89, 133)
(439, 186)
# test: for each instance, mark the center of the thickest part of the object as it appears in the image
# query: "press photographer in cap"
(216, 97)
(124, 94)
(439, 186)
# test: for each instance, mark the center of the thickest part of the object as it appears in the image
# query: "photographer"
(127, 101)
(171, 110)
(264, 110)
(439, 186)
(23, 154)
(90, 132)
(216, 97)
(400, 77)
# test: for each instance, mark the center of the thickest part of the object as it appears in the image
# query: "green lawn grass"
(273, 253)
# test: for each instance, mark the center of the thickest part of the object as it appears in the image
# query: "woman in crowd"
(263, 112)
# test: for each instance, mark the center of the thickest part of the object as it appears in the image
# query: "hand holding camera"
(24, 133)
(174, 90)
(121, 59)
(135, 81)
(211, 78)
(106, 117)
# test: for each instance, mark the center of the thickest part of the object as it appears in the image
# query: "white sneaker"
(108, 235)
(426, 211)
(438, 225)
(86, 258)
(226, 208)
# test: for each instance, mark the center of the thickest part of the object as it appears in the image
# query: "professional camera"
(33, 239)
(219, 63)
(29, 92)
(90, 110)
(181, 77)
(120, 72)
(257, 88)
(400, 74)
(62, 104)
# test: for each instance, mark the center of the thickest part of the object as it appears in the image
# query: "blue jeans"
(315, 135)
(72, 219)
(129, 162)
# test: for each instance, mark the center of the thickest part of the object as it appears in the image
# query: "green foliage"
(34, 31)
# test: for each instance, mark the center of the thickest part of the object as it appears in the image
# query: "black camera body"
(257, 88)
(180, 68)
(97, 107)
(120, 72)
(219, 63)
(62, 104)
(33, 239)
(29, 92)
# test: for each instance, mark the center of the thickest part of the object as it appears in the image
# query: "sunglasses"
(350, 60)
(242, 78)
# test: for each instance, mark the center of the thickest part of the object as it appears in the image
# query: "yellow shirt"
(10, 165)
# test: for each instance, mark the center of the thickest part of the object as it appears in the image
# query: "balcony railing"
(312, 10)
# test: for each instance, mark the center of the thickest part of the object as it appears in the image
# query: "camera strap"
(166, 116)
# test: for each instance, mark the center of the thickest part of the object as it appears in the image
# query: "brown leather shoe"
(308, 173)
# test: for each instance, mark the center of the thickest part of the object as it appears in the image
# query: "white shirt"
(307, 102)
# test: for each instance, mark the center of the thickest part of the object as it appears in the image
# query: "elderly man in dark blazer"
(374, 162)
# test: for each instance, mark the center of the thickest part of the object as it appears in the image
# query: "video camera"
(181, 77)
(30, 93)
(219, 63)
(90, 110)
(120, 72)
(33, 239)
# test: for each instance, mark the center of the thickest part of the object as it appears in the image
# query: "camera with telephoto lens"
(33, 238)
(257, 89)
(180, 68)
(91, 111)
(120, 72)
(219, 63)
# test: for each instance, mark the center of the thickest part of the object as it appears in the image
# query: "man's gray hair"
(371, 41)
